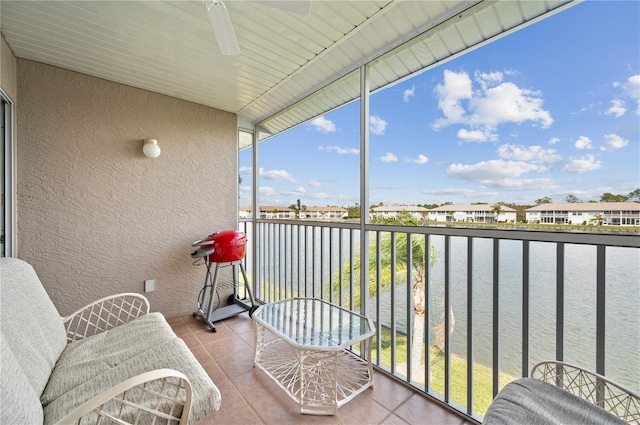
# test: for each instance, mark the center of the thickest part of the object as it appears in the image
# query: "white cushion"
(90, 366)
(31, 325)
(20, 403)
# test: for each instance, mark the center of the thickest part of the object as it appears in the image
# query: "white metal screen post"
(8, 176)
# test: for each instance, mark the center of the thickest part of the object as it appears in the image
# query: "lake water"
(622, 352)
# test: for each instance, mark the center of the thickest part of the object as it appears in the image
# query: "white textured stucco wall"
(95, 216)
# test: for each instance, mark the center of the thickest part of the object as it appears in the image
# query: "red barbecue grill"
(224, 249)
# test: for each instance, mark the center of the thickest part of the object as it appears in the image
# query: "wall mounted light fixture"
(151, 148)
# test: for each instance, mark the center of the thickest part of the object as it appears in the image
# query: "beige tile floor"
(250, 397)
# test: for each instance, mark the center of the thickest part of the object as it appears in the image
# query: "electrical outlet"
(149, 285)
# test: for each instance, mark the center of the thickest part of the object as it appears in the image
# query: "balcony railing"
(467, 309)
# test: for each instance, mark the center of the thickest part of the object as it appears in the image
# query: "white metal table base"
(319, 379)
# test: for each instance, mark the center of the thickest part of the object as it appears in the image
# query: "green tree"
(543, 200)
(521, 211)
(417, 266)
(610, 197)
(404, 218)
(495, 210)
(354, 211)
(634, 196)
(298, 207)
(572, 199)
(597, 220)
(429, 206)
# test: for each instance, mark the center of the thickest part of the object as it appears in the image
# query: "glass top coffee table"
(308, 354)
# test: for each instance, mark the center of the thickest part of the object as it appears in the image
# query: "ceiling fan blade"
(222, 27)
(301, 7)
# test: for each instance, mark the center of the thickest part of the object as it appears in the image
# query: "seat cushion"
(31, 325)
(90, 366)
(535, 402)
(20, 403)
(83, 360)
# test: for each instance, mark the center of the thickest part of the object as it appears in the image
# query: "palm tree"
(496, 209)
(597, 220)
(298, 207)
(419, 286)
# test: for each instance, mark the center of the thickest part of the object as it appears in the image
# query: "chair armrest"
(592, 387)
(104, 314)
(159, 396)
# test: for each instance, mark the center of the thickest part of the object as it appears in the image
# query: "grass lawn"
(482, 375)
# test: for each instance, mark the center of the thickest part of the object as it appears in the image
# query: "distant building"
(479, 213)
(268, 212)
(606, 213)
(324, 213)
(244, 212)
(392, 211)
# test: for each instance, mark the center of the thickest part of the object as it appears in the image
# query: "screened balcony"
(83, 83)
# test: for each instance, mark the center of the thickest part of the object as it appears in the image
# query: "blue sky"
(548, 111)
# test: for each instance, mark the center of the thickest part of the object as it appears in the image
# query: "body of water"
(622, 352)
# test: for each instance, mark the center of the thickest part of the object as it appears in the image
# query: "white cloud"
(509, 103)
(323, 125)
(245, 170)
(583, 142)
(318, 195)
(485, 135)
(490, 170)
(278, 175)
(615, 142)
(408, 94)
(488, 79)
(501, 174)
(421, 159)
(377, 125)
(534, 153)
(456, 87)
(267, 191)
(632, 89)
(449, 191)
(299, 191)
(582, 165)
(554, 140)
(315, 183)
(496, 102)
(339, 150)
(523, 184)
(618, 108)
(388, 157)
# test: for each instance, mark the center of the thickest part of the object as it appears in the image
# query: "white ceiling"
(169, 47)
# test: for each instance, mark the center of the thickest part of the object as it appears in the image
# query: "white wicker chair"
(104, 314)
(590, 386)
(162, 396)
(111, 362)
